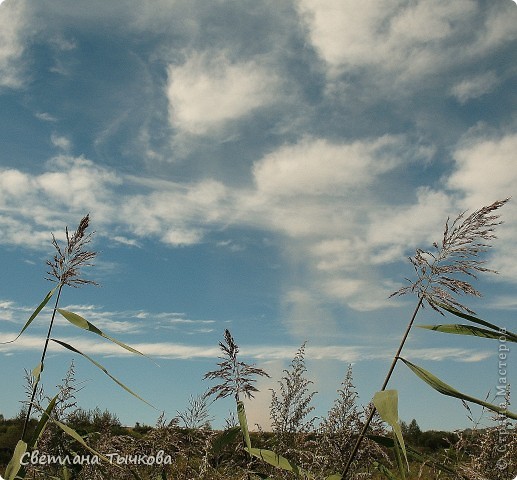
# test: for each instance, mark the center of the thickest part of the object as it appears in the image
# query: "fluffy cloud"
(207, 91)
(177, 214)
(319, 167)
(485, 166)
(36, 203)
(485, 171)
(406, 40)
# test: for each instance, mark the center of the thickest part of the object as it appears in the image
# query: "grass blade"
(479, 321)
(382, 469)
(80, 322)
(98, 365)
(15, 464)
(72, 433)
(42, 423)
(386, 403)
(224, 439)
(445, 389)
(459, 329)
(241, 413)
(41, 306)
(277, 461)
(412, 453)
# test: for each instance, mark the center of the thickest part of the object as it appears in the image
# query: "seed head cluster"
(442, 272)
(237, 377)
(66, 264)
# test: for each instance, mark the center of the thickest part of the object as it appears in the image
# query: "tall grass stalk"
(441, 274)
(65, 269)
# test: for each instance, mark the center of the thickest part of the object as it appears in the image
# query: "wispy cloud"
(347, 354)
(13, 21)
(127, 322)
(475, 87)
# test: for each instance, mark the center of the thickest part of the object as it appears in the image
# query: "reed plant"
(444, 274)
(65, 270)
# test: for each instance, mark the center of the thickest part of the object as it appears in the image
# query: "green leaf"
(398, 458)
(66, 473)
(80, 322)
(36, 372)
(479, 321)
(459, 329)
(386, 403)
(336, 476)
(278, 461)
(33, 316)
(241, 413)
(411, 452)
(381, 468)
(445, 389)
(225, 438)
(98, 365)
(72, 433)
(42, 423)
(15, 464)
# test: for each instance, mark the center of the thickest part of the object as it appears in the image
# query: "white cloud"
(34, 204)
(209, 90)
(319, 167)
(60, 142)
(13, 20)
(177, 214)
(484, 167)
(45, 116)
(474, 87)
(405, 40)
(485, 172)
(347, 354)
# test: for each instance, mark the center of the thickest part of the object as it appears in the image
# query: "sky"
(265, 166)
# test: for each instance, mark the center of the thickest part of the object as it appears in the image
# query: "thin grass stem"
(42, 361)
(384, 385)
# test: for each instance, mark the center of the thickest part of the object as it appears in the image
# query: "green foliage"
(386, 403)
(445, 389)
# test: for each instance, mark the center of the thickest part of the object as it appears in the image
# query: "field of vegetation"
(186, 447)
(53, 438)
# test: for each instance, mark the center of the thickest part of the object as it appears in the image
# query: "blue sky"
(262, 166)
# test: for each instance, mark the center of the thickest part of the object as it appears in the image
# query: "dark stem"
(35, 387)
(386, 380)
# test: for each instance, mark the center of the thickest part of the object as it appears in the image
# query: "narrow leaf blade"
(386, 403)
(479, 321)
(15, 464)
(224, 439)
(40, 307)
(241, 413)
(274, 459)
(81, 322)
(42, 423)
(445, 389)
(72, 433)
(98, 365)
(459, 329)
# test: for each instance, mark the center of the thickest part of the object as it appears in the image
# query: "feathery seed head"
(441, 272)
(66, 264)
